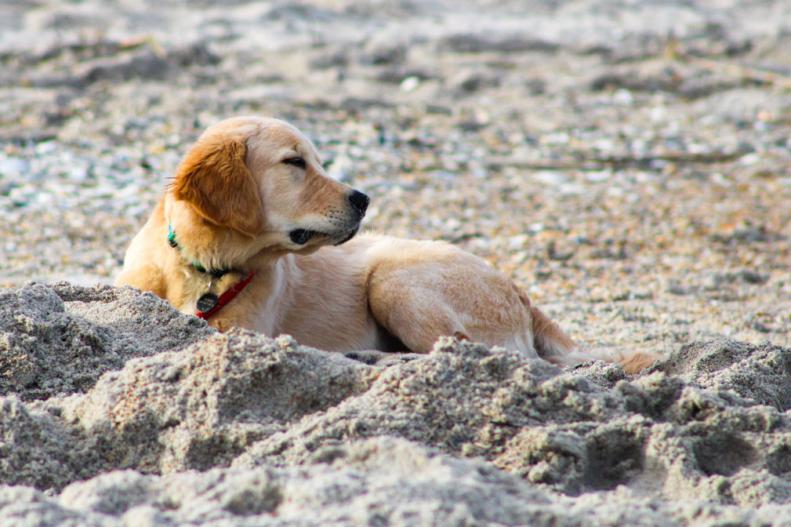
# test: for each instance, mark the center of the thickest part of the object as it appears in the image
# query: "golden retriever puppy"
(253, 233)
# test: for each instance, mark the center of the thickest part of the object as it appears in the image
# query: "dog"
(252, 233)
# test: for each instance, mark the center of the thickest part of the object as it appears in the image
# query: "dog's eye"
(298, 162)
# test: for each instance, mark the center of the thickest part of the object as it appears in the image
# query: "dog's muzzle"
(359, 205)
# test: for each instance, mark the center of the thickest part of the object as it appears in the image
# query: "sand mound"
(760, 373)
(60, 339)
(283, 434)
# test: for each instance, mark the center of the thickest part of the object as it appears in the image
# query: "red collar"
(226, 297)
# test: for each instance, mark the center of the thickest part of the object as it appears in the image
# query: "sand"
(242, 429)
(627, 163)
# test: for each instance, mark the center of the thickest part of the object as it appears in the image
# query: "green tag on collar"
(172, 237)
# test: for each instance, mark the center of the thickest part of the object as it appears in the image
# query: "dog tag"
(207, 302)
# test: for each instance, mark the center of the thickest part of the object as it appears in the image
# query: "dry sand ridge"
(241, 429)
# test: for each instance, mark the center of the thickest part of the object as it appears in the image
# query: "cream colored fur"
(235, 202)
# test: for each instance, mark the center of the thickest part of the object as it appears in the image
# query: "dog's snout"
(359, 201)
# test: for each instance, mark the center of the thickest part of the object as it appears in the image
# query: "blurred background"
(627, 162)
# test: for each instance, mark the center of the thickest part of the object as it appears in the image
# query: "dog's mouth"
(347, 237)
(303, 236)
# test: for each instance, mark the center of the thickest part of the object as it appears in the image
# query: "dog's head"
(263, 178)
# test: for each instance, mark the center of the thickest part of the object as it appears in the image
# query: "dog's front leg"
(146, 278)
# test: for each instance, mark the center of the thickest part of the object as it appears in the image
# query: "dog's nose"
(359, 201)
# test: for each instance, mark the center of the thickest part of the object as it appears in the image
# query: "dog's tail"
(553, 345)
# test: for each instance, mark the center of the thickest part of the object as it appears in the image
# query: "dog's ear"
(215, 180)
